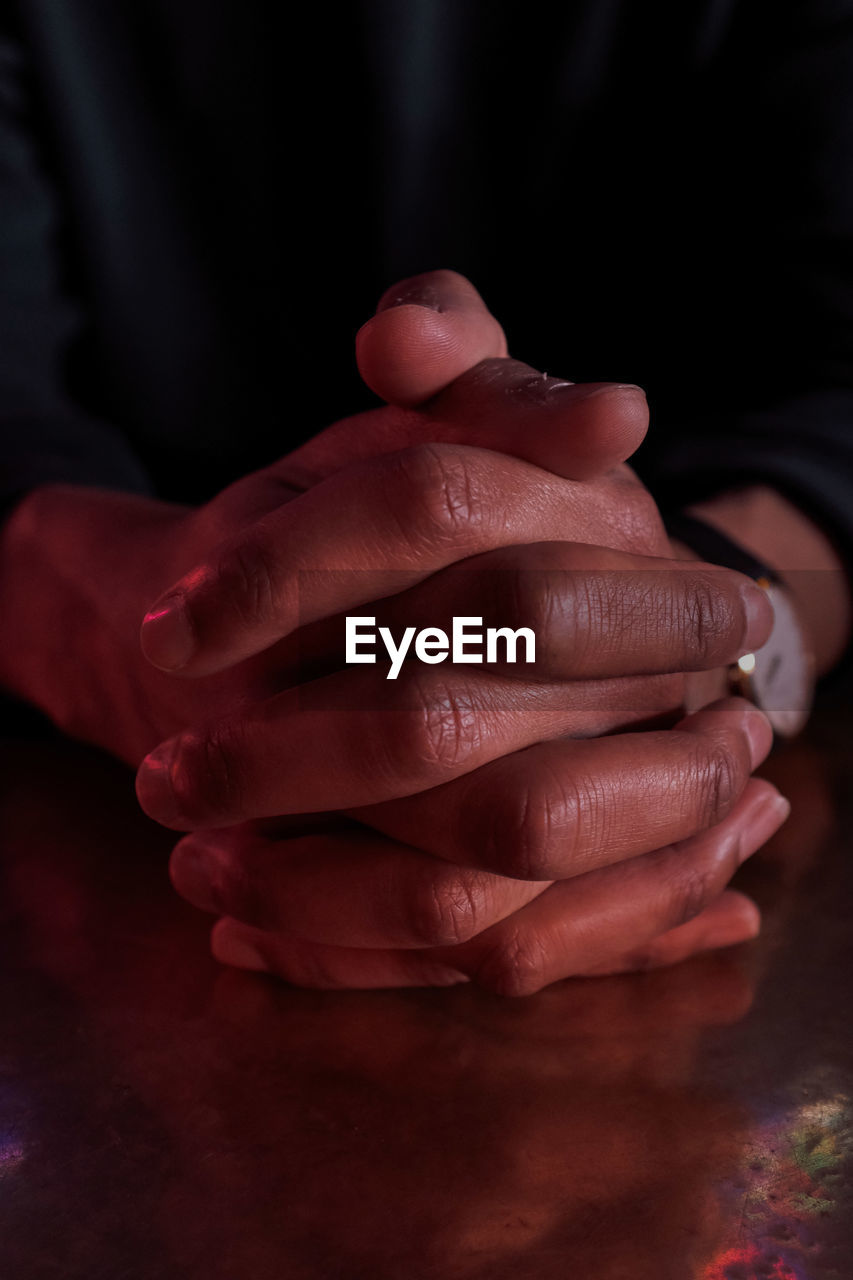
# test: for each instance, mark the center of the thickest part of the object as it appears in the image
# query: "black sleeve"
(772, 189)
(44, 436)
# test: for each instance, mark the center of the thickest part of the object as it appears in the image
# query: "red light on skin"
(748, 1262)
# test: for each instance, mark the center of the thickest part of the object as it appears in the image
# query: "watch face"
(782, 679)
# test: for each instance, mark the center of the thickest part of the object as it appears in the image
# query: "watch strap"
(717, 547)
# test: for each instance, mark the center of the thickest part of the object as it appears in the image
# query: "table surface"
(163, 1117)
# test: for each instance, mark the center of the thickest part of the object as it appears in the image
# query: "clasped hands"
(460, 823)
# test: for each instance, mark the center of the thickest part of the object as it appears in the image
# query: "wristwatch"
(779, 678)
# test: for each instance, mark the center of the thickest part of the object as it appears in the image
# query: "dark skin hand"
(397, 490)
(311, 894)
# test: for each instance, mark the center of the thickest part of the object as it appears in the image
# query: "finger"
(594, 612)
(608, 421)
(310, 964)
(352, 888)
(569, 930)
(575, 430)
(586, 925)
(729, 920)
(403, 516)
(306, 963)
(434, 329)
(427, 331)
(563, 808)
(350, 739)
(347, 886)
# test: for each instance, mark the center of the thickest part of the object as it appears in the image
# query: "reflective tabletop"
(163, 1117)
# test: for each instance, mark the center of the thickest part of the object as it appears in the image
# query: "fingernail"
(589, 390)
(759, 615)
(730, 934)
(761, 824)
(154, 785)
(759, 734)
(411, 295)
(440, 975)
(167, 636)
(193, 871)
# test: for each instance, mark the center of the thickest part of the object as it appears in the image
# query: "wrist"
(776, 532)
(78, 567)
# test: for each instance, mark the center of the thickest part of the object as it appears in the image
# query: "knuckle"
(434, 495)
(544, 600)
(693, 888)
(705, 619)
(516, 966)
(444, 729)
(718, 782)
(246, 579)
(447, 909)
(205, 775)
(526, 836)
(528, 823)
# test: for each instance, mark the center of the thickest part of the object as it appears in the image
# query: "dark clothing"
(643, 191)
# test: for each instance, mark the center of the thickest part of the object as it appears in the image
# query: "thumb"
(433, 340)
(427, 331)
(434, 344)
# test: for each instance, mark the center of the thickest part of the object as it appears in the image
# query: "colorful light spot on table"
(791, 1179)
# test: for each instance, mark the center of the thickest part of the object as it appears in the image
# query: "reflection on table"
(162, 1117)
